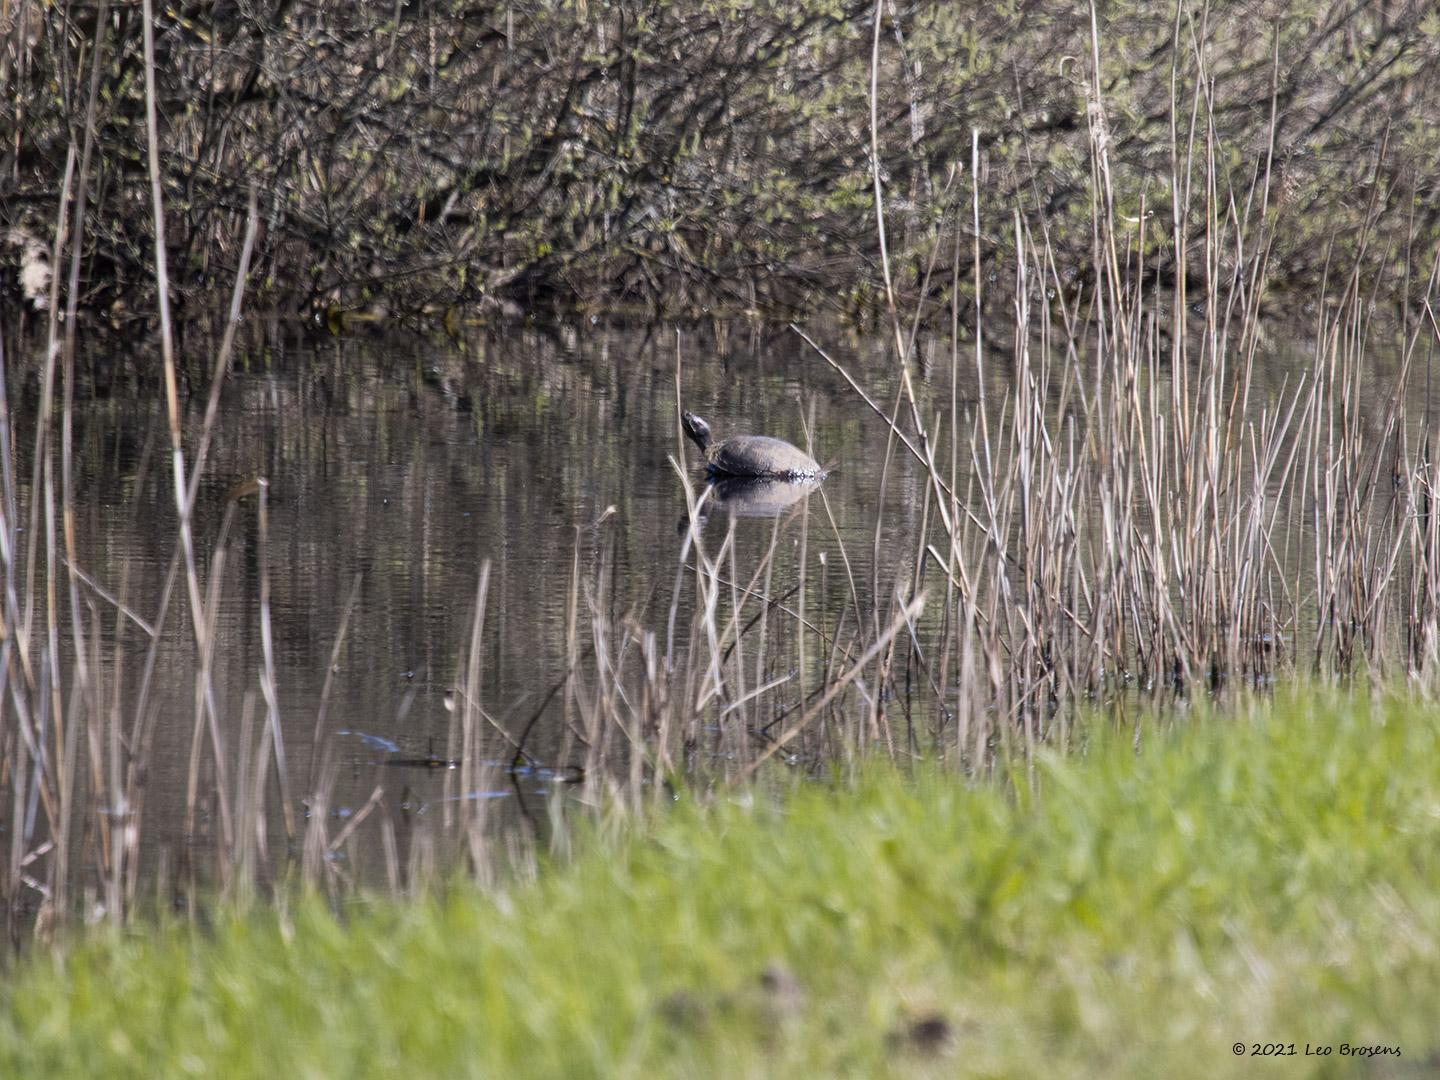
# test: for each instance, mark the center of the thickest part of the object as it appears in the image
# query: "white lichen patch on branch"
(32, 267)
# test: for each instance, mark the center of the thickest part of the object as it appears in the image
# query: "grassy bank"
(1271, 878)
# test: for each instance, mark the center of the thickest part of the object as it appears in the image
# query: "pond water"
(399, 464)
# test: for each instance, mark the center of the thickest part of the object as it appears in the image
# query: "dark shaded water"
(403, 463)
(399, 464)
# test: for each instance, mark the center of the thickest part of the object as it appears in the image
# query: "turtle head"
(697, 429)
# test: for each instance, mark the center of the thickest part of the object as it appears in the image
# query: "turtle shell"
(760, 455)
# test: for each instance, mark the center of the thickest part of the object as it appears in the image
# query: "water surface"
(400, 463)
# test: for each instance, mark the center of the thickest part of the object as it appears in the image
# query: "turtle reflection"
(753, 497)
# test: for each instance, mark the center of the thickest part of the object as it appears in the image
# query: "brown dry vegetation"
(689, 153)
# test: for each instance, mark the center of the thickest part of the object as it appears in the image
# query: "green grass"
(1268, 878)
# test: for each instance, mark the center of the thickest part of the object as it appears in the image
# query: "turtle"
(751, 455)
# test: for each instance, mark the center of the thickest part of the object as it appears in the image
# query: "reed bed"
(1119, 512)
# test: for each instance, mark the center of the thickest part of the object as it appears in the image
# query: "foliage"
(701, 151)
